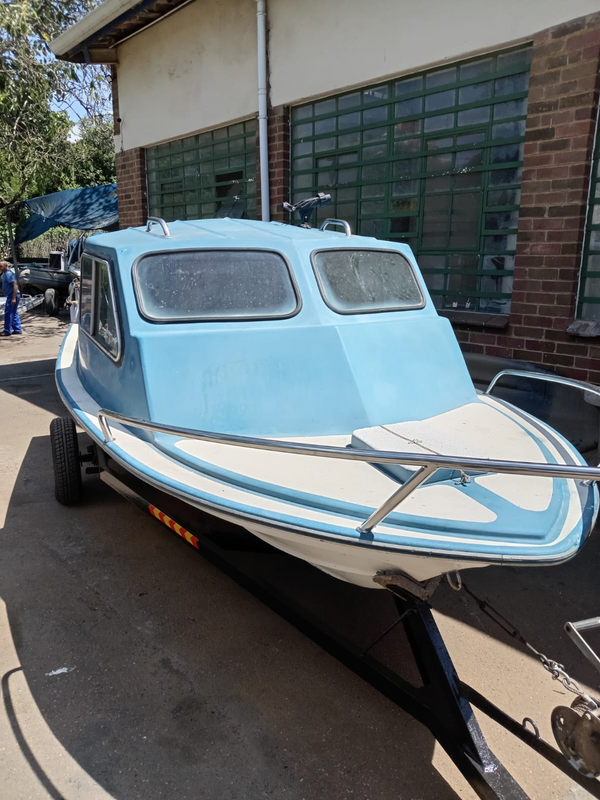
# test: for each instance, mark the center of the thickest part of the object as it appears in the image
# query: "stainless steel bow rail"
(426, 464)
(588, 388)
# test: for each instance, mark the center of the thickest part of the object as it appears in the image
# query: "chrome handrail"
(428, 463)
(341, 222)
(543, 376)
(158, 221)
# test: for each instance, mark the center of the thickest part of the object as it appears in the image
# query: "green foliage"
(37, 155)
(93, 154)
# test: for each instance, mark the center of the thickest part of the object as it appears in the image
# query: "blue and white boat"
(300, 383)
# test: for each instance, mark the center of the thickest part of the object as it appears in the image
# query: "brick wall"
(279, 160)
(563, 100)
(131, 187)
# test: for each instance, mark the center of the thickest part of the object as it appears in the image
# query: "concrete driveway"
(131, 668)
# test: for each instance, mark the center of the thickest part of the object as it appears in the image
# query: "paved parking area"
(131, 668)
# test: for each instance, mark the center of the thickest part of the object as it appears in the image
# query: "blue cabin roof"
(229, 232)
(316, 372)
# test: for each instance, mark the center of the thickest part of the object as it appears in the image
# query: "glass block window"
(588, 306)
(434, 160)
(212, 174)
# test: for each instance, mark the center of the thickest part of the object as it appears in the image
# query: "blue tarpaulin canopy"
(89, 209)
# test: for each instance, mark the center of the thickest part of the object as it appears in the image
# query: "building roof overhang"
(94, 39)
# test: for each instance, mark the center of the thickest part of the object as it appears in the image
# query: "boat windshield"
(365, 281)
(220, 285)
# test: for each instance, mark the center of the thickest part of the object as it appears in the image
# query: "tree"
(93, 153)
(36, 156)
(35, 91)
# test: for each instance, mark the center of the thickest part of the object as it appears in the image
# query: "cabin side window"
(85, 296)
(97, 307)
(203, 285)
(366, 281)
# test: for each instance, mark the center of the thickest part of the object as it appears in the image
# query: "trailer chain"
(555, 669)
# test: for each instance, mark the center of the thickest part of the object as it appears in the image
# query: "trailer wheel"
(65, 460)
(51, 302)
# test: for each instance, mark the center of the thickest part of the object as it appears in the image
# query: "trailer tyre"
(51, 302)
(65, 460)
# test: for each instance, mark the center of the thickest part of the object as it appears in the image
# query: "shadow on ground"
(180, 684)
(33, 382)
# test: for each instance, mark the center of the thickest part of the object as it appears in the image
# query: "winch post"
(442, 707)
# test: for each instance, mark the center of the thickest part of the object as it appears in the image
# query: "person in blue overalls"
(10, 290)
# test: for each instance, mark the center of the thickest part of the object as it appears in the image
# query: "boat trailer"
(27, 303)
(443, 703)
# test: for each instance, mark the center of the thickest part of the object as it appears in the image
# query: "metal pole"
(263, 133)
(390, 504)
(11, 241)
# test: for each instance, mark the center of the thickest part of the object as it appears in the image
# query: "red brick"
(568, 28)
(131, 184)
(553, 145)
(536, 122)
(533, 236)
(571, 157)
(532, 211)
(576, 71)
(566, 348)
(591, 53)
(561, 117)
(553, 358)
(555, 311)
(549, 224)
(587, 363)
(483, 338)
(576, 374)
(524, 308)
(586, 84)
(580, 41)
(538, 160)
(552, 198)
(467, 347)
(554, 172)
(526, 331)
(574, 129)
(560, 89)
(540, 345)
(566, 211)
(500, 352)
(537, 322)
(562, 236)
(543, 106)
(539, 134)
(581, 101)
(546, 47)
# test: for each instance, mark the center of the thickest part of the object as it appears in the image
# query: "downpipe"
(263, 133)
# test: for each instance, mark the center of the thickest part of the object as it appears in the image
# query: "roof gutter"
(103, 16)
(263, 133)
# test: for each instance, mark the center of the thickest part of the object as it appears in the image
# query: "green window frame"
(432, 159)
(203, 176)
(588, 301)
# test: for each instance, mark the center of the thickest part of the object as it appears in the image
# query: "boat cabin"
(255, 328)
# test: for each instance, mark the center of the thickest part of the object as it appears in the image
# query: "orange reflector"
(170, 523)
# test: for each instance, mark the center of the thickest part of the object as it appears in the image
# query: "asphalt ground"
(133, 668)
